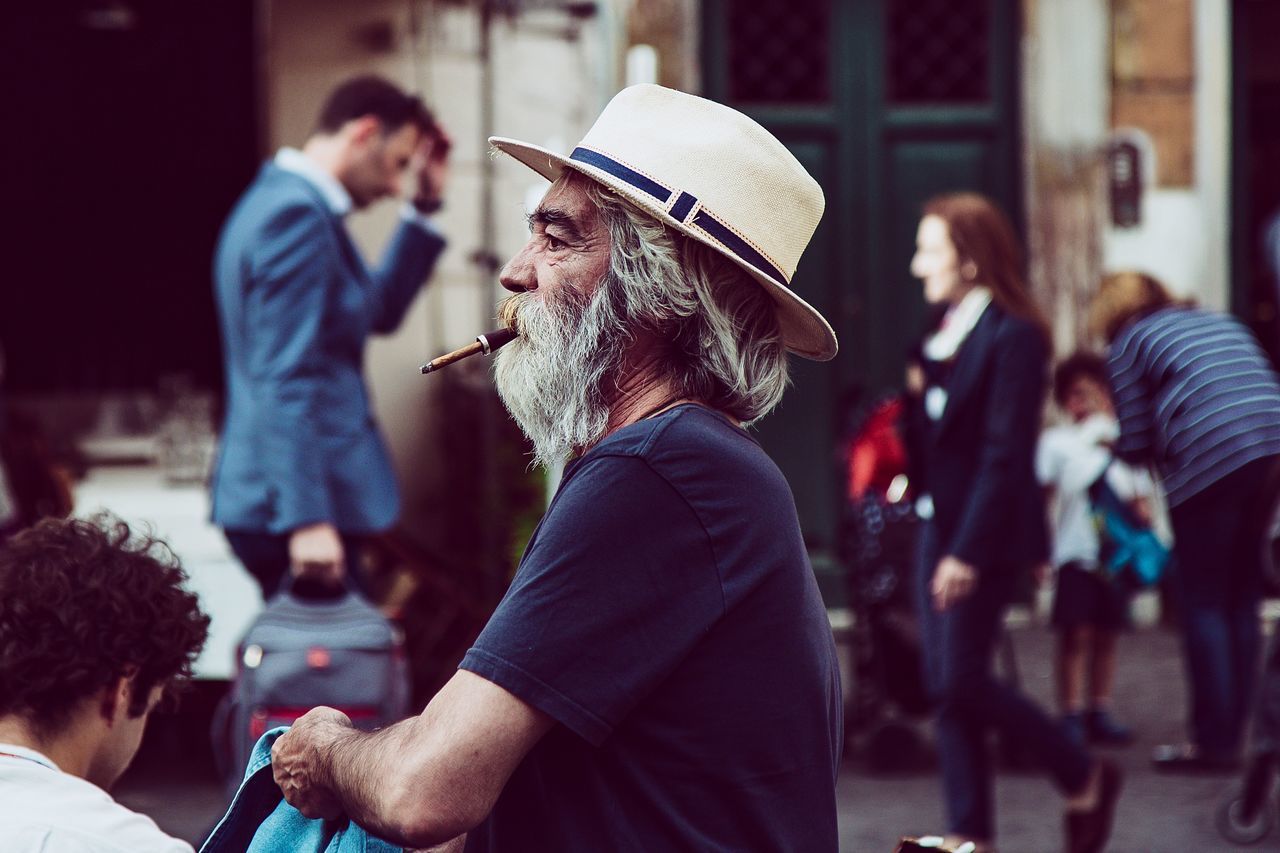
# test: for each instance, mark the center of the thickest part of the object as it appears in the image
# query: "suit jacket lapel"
(350, 255)
(967, 370)
(349, 252)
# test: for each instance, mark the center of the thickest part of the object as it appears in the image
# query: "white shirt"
(46, 810)
(335, 194)
(943, 344)
(1070, 458)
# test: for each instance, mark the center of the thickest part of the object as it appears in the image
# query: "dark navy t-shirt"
(666, 616)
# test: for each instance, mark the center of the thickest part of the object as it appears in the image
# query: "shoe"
(1105, 731)
(1074, 727)
(940, 844)
(1088, 831)
(1189, 758)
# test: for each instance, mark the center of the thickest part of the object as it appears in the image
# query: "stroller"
(1248, 813)
(879, 529)
(878, 534)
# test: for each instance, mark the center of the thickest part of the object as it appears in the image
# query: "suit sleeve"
(407, 263)
(1015, 396)
(293, 280)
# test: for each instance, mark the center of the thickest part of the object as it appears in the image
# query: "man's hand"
(315, 553)
(299, 762)
(430, 170)
(952, 581)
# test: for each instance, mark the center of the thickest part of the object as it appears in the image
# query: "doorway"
(132, 126)
(1256, 166)
(886, 103)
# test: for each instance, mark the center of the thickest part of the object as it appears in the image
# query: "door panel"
(917, 170)
(798, 434)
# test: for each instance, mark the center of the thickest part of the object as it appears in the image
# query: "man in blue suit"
(302, 472)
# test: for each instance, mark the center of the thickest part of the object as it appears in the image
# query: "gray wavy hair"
(718, 329)
(724, 344)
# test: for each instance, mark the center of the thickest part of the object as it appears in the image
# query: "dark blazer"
(988, 508)
(296, 305)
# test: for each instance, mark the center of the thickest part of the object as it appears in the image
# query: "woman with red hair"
(985, 371)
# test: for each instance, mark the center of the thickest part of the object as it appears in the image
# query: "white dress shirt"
(943, 344)
(44, 810)
(335, 194)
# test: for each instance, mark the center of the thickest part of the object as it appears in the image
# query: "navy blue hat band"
(685, 202)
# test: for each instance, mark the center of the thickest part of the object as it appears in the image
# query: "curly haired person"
(95, 631)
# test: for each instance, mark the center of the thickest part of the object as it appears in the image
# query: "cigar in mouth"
(483, 345)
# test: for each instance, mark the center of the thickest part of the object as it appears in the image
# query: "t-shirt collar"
(29, 754)
(335, 194)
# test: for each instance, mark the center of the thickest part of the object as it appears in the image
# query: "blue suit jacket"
(296, 305)
(988, 507)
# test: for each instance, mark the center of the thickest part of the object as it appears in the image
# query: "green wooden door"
(886, 103)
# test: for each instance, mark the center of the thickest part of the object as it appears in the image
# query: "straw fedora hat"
(712, 174)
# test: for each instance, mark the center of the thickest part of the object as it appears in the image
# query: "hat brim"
(805, 331)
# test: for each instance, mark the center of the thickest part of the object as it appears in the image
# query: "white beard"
(552, 377)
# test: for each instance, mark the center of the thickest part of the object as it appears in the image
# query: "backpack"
(1129, 551)
(300, 653)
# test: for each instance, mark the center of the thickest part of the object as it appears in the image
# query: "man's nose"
(518, 274)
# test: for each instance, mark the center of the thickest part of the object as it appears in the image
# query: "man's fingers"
(321, 810)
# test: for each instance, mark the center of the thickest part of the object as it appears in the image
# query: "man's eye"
(555, 244)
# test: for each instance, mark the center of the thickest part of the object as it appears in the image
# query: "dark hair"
(1078, 365)
(82, 604)
(373, 96)
(983, 236)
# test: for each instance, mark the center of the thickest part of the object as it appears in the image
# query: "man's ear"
(114, 699)
(365, 129)
(117, 696)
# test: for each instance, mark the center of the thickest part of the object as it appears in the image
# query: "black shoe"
(1105, 731)
(1088, 831)
(1074, 726)
(1188, 758)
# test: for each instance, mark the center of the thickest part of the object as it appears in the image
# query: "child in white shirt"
(1090, 608)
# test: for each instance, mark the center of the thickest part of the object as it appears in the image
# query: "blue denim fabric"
(260, 821)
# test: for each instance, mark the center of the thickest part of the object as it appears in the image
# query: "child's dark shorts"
(1085, 597)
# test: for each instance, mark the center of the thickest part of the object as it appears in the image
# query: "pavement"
(173, 781)
(1157, 812)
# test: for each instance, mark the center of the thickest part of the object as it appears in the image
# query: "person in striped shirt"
(1198, 400)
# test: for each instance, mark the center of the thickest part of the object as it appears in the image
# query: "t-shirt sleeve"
(617, 586)
(1049, 459)
(1128, 482)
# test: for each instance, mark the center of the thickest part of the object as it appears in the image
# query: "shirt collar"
(957, 325)
(29, 754)
(335, 194)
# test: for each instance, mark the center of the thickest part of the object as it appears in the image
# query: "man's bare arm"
(422, 782)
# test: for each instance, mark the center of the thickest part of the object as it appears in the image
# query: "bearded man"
(661, 674)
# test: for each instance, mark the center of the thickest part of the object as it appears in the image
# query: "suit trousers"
(969, 701)
(1217, 573)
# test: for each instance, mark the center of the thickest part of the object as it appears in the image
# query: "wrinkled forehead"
(568, 197)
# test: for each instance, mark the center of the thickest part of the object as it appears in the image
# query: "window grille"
(938, 51)
(780, 51)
